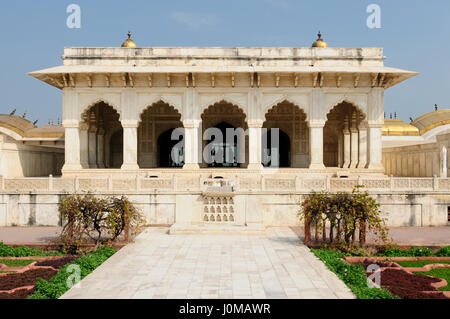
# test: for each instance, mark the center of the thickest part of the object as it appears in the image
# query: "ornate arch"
(281, 101)
(239, 100)
(360, 104)
(98, 101)
(160, 101)
(148, 100)
(209, 109)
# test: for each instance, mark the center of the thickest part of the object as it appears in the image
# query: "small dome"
(319, 42)
(128, 42)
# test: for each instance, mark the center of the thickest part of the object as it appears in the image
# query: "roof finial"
(435, 107)
(320, 43)
(129, 42)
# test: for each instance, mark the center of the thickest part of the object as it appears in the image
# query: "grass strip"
(24, 251)
(351, 275)
(16, 262)
(443, 273)
(419, 263)
(57, 286)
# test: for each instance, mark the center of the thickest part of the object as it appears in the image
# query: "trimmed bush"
(24, 251)
(351, 275)
(57, 286)
(413, 252)
(444, 252)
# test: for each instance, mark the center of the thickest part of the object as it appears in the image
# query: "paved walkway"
(420, 236)
(158, 265)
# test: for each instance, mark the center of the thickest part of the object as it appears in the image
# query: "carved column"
(192, 131)
(340, 138)
(130, 128)
(354, 143)
(347, 144)
(84, 150)
(375, 146)
(316, 144)
(362, 161)
(254, 141)
(101, 148)
(443, 166)
(71, 146)
(92, 142)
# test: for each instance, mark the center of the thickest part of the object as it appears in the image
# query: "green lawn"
(420, 263)
(16, 262)
(443, 273)
(6, 271)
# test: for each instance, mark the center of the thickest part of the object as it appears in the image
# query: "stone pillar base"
(71, 167)
(255, 166)
(317, 166)
(191, 166)
(375, 166)
(129, 167)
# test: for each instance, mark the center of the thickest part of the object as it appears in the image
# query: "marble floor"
(158, 265)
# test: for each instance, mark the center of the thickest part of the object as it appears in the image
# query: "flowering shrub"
(344, 213)
(90, 219)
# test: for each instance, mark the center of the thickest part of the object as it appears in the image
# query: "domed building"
(27, 150)
(418, 149)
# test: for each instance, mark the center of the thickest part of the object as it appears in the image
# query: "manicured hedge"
(23, 251)
(415, 252)
(351, 275)
(57, 286)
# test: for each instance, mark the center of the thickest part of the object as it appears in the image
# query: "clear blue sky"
(415, 36)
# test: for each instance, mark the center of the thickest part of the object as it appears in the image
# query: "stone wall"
(268, 199)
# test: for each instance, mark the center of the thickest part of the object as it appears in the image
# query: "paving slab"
(158, 265)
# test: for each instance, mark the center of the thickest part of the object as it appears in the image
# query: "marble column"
(84, 149)
(92, 142)
(443, 164)
(254, 141)
(347, 144)
(340, 138)
(71, 146)
(101, 148)
(316, 145)
(192, 129)
(354, 144)
(362, 160)
(130, 144)
(375, 147)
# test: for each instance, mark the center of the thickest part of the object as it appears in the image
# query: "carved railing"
(242, 183)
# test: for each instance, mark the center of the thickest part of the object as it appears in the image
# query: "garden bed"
(407, 282)
(19, 274)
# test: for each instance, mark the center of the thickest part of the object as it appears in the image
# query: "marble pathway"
(158, 265)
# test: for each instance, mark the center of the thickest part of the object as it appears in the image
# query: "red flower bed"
(18, 285)
(402, 282)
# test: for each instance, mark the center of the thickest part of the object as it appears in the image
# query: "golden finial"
(320, 43)
(129, 43)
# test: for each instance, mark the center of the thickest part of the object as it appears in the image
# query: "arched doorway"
(170, 152)
(154, 136)
(104, 133)
(341, 137)
(293, 150)
(116, 149)
(276, 155)
(226, 145)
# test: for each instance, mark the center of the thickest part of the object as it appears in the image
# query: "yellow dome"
(319, 42)
(128, 42)
(396, 127)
